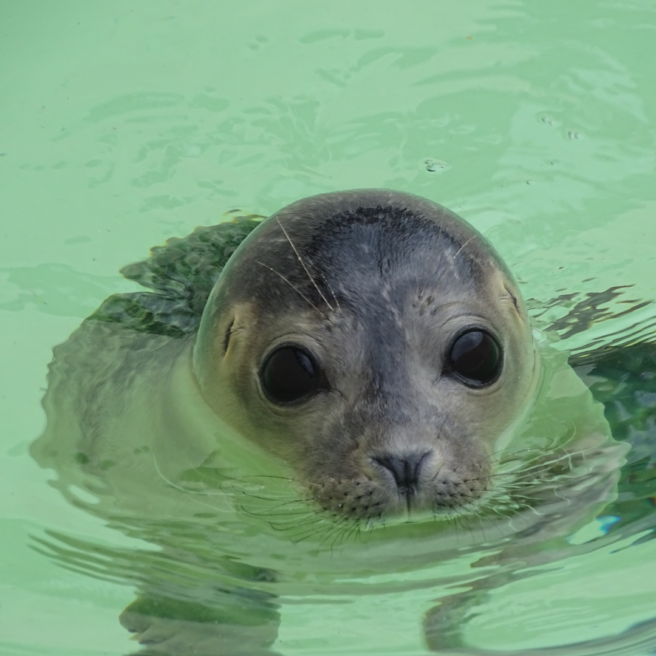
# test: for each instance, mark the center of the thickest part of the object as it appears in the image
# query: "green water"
(122, 124)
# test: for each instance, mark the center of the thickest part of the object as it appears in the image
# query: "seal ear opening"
(513, 298)
(508, 294)
(226, 339)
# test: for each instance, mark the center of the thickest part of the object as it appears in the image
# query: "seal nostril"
(405, 469)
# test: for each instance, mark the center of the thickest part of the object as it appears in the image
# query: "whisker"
(462, 247)
(296, 289)
(354, 529)
(290, 514)
(341, 537)
(287, 479)
(300, 259)
(306, 529)
(181, 489)
(311, 533)
(332, 291)
(269, 499)
(336, 528)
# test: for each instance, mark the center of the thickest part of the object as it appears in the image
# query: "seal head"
(375, 342)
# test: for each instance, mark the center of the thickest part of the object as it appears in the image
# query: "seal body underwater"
(369, 346)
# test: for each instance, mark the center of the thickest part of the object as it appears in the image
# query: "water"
(124, 124)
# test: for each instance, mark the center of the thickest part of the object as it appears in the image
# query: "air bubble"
(435, 165)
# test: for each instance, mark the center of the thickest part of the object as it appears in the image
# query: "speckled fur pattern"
(375, 284)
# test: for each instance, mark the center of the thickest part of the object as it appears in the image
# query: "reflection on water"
(609, 313)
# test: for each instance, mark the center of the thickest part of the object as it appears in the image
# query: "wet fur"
(370, 279)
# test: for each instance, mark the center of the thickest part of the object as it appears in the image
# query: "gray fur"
(375, 284)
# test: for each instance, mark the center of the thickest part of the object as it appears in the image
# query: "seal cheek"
(345, 498)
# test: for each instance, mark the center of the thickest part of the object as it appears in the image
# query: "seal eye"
(289, 374)
(476, 358)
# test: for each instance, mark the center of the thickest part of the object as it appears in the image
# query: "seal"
(371, 340)
(361, 358)
(377, 343)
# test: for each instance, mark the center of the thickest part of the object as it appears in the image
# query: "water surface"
(122, 125)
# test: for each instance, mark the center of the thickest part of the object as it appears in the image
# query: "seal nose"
(405, 469)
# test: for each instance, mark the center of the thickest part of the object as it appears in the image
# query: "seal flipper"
(623, 378)
(181, 275)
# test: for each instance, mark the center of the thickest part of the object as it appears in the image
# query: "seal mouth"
(401, 491)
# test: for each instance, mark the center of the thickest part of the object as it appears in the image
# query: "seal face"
(378, 344)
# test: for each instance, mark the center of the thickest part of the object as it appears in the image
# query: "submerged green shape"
(181, 274)
(81, 458)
